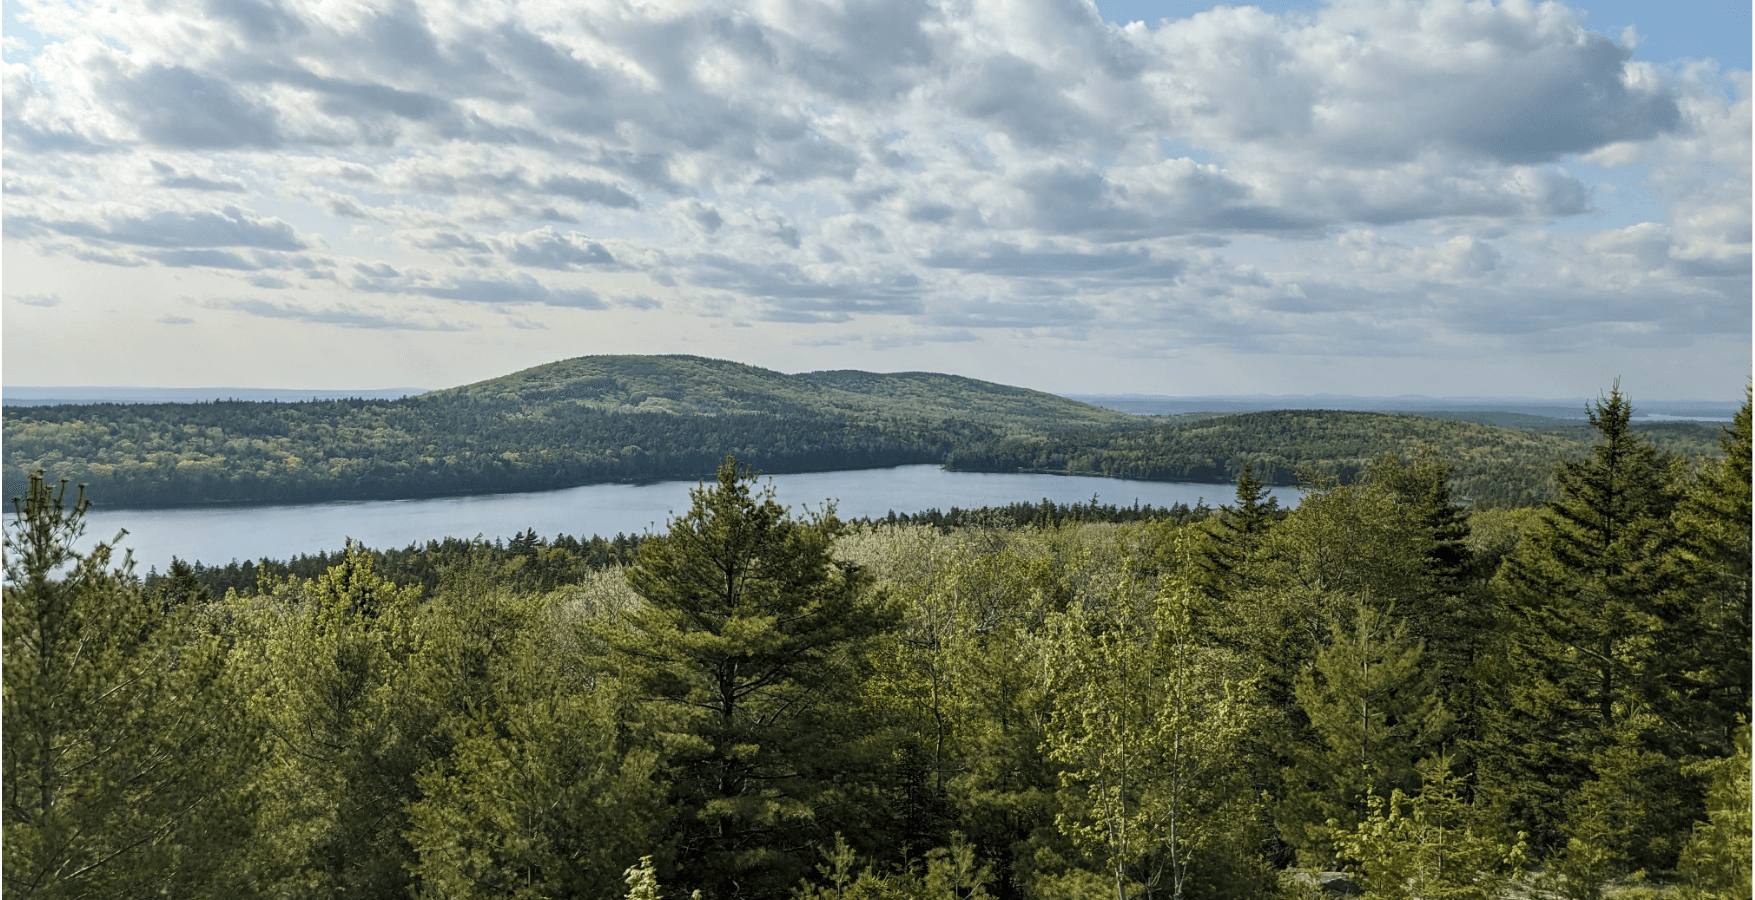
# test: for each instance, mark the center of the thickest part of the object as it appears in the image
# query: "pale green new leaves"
(1422, 846)
(1149, 724)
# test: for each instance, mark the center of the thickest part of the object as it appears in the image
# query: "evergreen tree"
(1587, 583)
(1235, 534)
(1375, 715)
(1715, 861)
(1423, 846)
(1586, 592)
(749, 636)
(1708, 689)
(537, 790)
(327, 662)
(124, 765)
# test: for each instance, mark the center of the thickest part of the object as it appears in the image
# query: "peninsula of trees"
(632, 418)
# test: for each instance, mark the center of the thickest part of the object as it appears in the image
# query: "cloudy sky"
(1363, 196)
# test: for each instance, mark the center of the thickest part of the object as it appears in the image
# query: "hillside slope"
(1494, 465)
(692, 385)
(579, 421)
(644, 418)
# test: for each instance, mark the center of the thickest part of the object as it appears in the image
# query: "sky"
(1371, 197)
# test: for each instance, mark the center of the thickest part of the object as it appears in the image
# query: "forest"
(639, 419)
(1441, 700)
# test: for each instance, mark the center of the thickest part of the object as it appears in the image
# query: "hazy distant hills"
(51, 395)
(644, 418)
(1520, 412)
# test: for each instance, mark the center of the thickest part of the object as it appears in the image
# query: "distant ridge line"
(50, 395)
(1150, 404)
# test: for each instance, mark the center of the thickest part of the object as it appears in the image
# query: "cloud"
(543, 248)
(177, 107)
(213, 259)
(792, 294)
(35, 299)
(1012, 260)
(174, 320)
(171, 178)
(1370, 173)
(589, 190)
(342, 316)
(516, 290)
(227, 227)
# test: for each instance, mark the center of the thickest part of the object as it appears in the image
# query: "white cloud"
(1381, 176)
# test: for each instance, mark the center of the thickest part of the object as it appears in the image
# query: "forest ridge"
(602, 419)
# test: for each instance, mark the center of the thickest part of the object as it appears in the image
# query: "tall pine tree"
(749, 638)
(1586, 592)
(123, 761)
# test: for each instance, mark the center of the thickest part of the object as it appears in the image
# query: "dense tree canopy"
(1028, 702)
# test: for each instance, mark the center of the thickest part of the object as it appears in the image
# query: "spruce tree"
(1587, 583)
(1586, 594)
(1707, 690)
(748, 640)
(1235, 534)
(1375, 715)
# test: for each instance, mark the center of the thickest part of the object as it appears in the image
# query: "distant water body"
(218, 536)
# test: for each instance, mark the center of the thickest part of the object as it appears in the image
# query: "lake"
(217, 536)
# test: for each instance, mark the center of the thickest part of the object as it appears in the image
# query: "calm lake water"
(217, 536)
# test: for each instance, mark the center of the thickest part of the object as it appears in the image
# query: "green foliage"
(581, 421)
(539, 790)
(327, 662)
(1707, 682)
(748, 638)
(642, 881)
(1590, 594)
(1234, 537)
(1715, 862)
(1373, 707)
(1495, 467)
(1066, 702)
(632, 418)
(1424, 846)
(1631, 816)
(124, 761)
(951, 873)
(1149, 722)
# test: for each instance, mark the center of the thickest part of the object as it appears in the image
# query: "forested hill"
(644, 418)
(580, 421)
(692, 385)
(1493, 465)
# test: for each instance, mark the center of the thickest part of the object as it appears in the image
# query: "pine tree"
(1707, 690)
(327, 661)
(1587, 583)
(123, 763)
(538, 788)
(749, 637)
(1375, 715)
(1234, 536)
